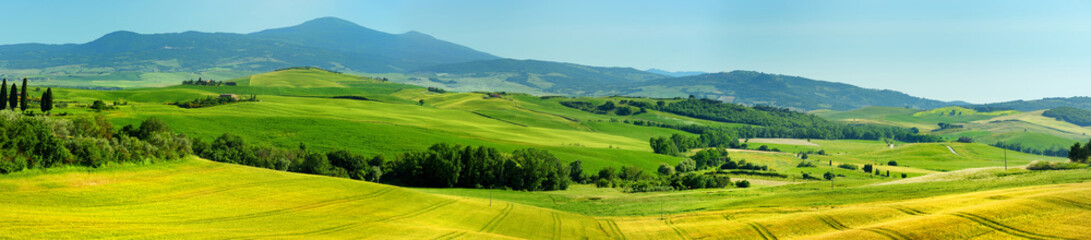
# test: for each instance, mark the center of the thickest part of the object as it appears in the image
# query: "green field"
(951, 190)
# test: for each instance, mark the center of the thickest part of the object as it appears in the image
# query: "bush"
(1044, 165)
(805, 164)
(903, 175)
(847, 166)
(602, 183)
(742, 184)
(892, 163)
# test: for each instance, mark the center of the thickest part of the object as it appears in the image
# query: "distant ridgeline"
(1034, 105)
(765, 121)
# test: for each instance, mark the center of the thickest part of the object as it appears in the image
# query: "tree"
(867, 168)
(575, 171)
(665, 169)
(13, 99)
(421, 102)
(624, 111)
(607, 173)
(803, 156)
(742, 184)
(47, 100)
(23, 96)
(4, 93)
(829, 177)
(687, 165)
(892, 163)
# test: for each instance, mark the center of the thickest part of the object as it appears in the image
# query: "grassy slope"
(199, 199)
(391, 122)
(1027, 128)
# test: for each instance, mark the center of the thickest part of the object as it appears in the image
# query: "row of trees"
(16, 99)
(214, 101)
(441, 165)
(678, 144)
(210, 82)
(606, 108)
(44, 142)
(1054, 151)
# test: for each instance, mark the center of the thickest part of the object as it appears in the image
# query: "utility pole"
(661, 217)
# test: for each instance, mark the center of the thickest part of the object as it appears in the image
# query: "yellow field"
(194, 198)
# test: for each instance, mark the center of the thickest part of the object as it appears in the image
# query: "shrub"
(742, 184)
(892, 163)
(602, 183)
(1044, 165)
(805, 164)
(847, 166)
(903, 175)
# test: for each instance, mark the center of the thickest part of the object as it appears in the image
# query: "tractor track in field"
(764, 232)
(419, 212)
(908, 210)
(556, 226)
(670, 223)
(495, 221)
(332, 202)
(333, 229)
(497, 119)
(1066, 202)
(894, 235)
(833, 223)
(451, 235)
(614, 229)
(1001, 227)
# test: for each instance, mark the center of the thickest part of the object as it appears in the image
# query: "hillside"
(1040, 104)
(1028, 129)
(329, 43)
(550, 77)
(194, 198)
(755, 88)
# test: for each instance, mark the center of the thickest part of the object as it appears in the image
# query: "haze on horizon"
(977, 51)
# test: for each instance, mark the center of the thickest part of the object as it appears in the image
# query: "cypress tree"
(23, 97)
(4, 93)
(47, 100)
(13, 99)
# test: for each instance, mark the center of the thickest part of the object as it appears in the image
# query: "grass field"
(965, 194)
(195, 198)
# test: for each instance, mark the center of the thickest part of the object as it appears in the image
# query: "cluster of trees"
(13, 98)
(445, 165)
(1053, 151)
(99, 105)
(214, 101)
(231, 148)
(678, 144)
(44, 142)
(606, 108)
(436, 90)
(945, 126)
(441, 165)
(634, 179)
(1073, 115)
(1079, 153)
(210, 82)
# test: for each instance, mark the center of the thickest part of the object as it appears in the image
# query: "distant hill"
(674, 74)
(755, 88)
(555, 77)
(329, 43)
(1040, 104)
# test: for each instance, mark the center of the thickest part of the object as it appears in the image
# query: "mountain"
(755, 88)
(674, 74)
(329, 43)
(552, 77)
(1040, 104)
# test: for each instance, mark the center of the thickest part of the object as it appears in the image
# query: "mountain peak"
(329, 21)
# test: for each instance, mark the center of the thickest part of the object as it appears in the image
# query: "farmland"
(948, 190)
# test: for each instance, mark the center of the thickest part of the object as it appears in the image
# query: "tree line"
(214, 101)
(1052, 151)
(30, 142)
(210, 82)
(441, 165)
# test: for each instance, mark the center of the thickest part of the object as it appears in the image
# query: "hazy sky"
(978, 51)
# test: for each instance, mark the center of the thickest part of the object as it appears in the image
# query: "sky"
(977, 51)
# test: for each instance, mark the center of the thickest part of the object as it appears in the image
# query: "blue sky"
(979, 51)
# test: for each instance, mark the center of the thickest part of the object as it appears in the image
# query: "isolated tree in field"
(23, 97)
(421, 102)
(4, 93)
(13, 98)
(575, 171)
(829, 177)
(47, 100)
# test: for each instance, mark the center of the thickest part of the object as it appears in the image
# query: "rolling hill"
(544, 76)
